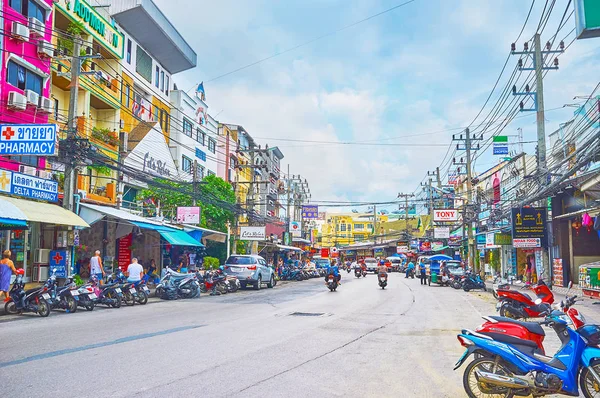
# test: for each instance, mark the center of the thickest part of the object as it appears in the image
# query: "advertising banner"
(529, 226)
(526, 243)
(425, 246)
(252, 233)
(334, 252)
(557, 272)
(58, 260)
(445, 215)
(379, 252)
(295, 228)
(325, 252)
(401, 247)
(28, 186)
(28, 139)
(124, 258)
(441, 232)
(437, 246)
(188, 215)
(310, 211)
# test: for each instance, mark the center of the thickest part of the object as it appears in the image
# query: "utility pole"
(69, 185)
(406, 196)
(375, 223)
(289, 187)
(194, 185)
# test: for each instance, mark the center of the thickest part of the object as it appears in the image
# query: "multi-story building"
(271, 187)
(342, 229)
(25, 71)
(227, 150)
(193, 138)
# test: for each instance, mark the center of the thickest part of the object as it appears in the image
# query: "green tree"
(215, 197)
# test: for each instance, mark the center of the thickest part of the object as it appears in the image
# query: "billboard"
(310, 211)
(445, 215)
(295, 228)
(252, 233)
(28, 186)
(28, 139)
(529, 227)
(441, 232)
(188, 215)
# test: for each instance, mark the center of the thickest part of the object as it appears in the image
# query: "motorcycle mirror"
(570, 284)
(538, 301)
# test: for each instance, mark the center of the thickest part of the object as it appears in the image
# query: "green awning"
(180, 238)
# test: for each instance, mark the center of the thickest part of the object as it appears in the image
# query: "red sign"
(124, 258)
(325, 252)
(445, 215)
(334, 252)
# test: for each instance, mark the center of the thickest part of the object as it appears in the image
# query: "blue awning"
(11, 223)
(174, 236)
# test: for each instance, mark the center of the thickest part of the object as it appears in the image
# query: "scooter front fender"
(588, 355)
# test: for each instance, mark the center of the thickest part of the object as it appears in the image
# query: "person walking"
(7, 268)
(423, 273)
(96, 267)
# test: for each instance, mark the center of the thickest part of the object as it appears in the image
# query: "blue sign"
(200, 154)
(28, 139)
(58, 260)
(310, 211)
(27, 186)
(500, 149)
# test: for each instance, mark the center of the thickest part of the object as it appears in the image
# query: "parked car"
(250, 270)
(455, 268)
(396, 263)
(371, 264)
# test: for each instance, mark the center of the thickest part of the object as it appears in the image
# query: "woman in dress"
(7, 268)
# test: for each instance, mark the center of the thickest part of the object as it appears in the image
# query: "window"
(167, 84)
(200, 137)
(359, 226)
(369, 226)
(186, 164)
(155, 113)
(164, 121)
(23, 78)
(129, 51)
(187, 127)
(156, 75)
(55, 109)
(210, 173)
(143, 64)
(28, 160)
(200, 173)
(162, 80)
(211, 145)
(127, 95)
(232, 162)
(343, 227)
(29, 8)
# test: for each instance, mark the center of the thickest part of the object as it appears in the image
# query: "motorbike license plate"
(146, 289)
(118, 290)
(46, 296)
(132, 291)
(74, 293)
(93, 296)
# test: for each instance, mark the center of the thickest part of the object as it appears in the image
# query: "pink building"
(25, 69)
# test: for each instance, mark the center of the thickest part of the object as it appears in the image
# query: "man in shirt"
(135, 271)
(96, 267)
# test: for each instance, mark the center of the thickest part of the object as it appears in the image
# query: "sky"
(398, 85)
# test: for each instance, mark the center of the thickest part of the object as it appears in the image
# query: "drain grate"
(307, 314)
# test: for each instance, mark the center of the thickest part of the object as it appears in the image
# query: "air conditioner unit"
(37, 27)
(17, 100)
(32, 97)
(19, 31)
(46, 175)
(46, 105)
(45, 49)
(29, 170)
(41, 256)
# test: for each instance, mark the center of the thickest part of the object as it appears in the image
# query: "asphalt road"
(360, 341)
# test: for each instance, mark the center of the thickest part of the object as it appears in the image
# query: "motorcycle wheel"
(203, 288)
(71, 304)
(89, 306)
(128, 298)
(117, 303)
(587, 382)
(456, 285)
(474, 389)
(466, 288)
(158, 292)
(11, 307)
(43, 308)
(507, 314)
(142, 297)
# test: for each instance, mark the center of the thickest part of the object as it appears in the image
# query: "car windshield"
(239, 260)
(322, 261)
(370, 260)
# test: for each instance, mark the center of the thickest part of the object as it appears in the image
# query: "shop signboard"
(480, 241)
(58, 261)
(310, 211)
(489, 241)
(334, 252)
(325, 252)
(526, 243)
(379, 252)
(27, 186)
(28, 139)
(502, 239)
(557, 272)
(442, 215)
(441, 232)
(124, 246)
(437, 246)
(350, 253)
(287, 239)
(401, 247)
(253, 233)
(295, 228)
(414, 244)
(188, 215)
(425, 246)
(529, 226)
(587, 18)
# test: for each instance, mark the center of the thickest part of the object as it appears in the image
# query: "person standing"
(529, 269)
(135, 271)
(423, 273)
(96, 267)
(7, 268)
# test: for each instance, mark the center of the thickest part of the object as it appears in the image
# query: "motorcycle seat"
(531, 326)
(508, 339)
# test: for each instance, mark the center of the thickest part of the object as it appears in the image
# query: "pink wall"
(27, 50)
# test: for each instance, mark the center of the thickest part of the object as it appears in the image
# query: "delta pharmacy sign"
(442, 215)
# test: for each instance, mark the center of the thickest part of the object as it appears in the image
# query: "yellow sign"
(81, 12)
(5, 181)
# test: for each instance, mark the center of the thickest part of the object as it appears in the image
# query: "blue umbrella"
(440, 257)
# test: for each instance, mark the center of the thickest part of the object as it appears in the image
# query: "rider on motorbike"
(333, 270)
(382, 270)
(410, 268)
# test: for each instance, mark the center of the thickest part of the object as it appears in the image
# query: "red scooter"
(517, 305)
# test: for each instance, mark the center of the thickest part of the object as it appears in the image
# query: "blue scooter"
(508, 369)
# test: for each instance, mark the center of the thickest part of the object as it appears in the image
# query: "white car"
(371, 264)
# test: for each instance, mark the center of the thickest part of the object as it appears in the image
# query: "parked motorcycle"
(110, 294)
(332, 283)
(382, 278)
(473, 281)
(63, 297)
(506, 369)
(130, 293)
(33, 300)
(515, 304)
(86, 297)
(186, 285)
(411, 273)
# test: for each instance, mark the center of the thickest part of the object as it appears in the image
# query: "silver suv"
(250, 270)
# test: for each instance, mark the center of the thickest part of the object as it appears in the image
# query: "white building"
(193, 136)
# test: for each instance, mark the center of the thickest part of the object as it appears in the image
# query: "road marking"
(96, 345)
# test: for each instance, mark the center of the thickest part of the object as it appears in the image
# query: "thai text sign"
(529, 223)
(445, 215)
(188, 215)
(28, 139)
(58, 261)
(27, 186)
(441, 232)
(252, 233)
(310, 211)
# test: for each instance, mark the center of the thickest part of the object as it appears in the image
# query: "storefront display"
(589, 279)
